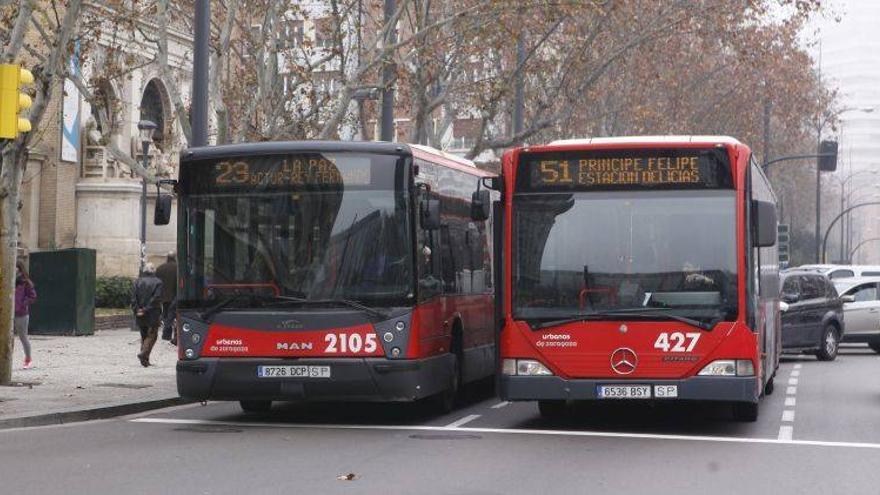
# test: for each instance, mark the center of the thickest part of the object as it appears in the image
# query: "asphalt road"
(818, 433)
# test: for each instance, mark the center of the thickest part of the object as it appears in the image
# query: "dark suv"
(812, 314)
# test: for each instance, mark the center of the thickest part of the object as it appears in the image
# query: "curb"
(103, 412)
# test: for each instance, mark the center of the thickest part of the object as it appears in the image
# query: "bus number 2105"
(354, 343)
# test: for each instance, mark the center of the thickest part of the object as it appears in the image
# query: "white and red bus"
(638, 268)
(328, 271)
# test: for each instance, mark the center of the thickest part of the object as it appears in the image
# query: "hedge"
(113, 292)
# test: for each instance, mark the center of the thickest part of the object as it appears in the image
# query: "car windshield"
(584, 253)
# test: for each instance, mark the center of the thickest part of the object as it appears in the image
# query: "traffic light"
(828, 156)
(13, 101)
(783, 242)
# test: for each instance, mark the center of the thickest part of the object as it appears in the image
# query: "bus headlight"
(729, 367)
(187, 327)
(190, 353)
(524, 367)
(399, 326)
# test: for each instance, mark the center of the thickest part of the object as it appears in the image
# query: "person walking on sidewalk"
(167, 273)
(25, 295)
(146, 302)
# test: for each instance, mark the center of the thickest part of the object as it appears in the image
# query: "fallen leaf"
(347, 477)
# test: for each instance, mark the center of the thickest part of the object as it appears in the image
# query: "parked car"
(861, 308)
(844, 271)
(812, 314)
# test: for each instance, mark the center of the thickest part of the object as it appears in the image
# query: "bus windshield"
(316, 243)
(583, 253)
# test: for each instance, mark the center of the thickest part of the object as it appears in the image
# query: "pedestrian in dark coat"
(167, 273)
(146, 303)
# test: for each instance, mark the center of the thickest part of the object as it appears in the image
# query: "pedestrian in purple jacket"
(25, 295)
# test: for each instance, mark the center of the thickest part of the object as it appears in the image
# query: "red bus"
(638, 268)
(329, 271)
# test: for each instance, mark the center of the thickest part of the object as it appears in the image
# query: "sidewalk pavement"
(87, 377)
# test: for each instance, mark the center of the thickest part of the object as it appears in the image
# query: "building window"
(324, 32)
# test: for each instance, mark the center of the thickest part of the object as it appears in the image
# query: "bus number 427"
(675, 342)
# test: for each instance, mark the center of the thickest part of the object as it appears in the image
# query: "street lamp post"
(146, 129)
(819, 127)
(845, 201)
(824, 244)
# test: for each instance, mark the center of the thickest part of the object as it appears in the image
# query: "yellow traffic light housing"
(13, 101)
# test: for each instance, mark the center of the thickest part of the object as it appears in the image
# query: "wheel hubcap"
(830, 343)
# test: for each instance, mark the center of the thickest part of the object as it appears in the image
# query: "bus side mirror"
(481, 206)
(162, 213)
(430, 214)
(765, 228)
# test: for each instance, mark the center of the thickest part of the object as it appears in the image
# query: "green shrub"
(113, 292)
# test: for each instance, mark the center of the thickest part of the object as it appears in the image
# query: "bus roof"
(648, 140)
(283, 147)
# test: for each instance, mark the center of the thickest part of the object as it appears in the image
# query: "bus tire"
(875, 346)
(552, 409)
(745, 411)
(255, 406)
(445, 401)
(830, 343)
(770, 386)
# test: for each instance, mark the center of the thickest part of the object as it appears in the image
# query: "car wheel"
(875, 346)
(255, 406)
(552, 409)
(829, 345)
(745, 411)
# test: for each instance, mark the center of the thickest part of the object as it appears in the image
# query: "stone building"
(88, 198)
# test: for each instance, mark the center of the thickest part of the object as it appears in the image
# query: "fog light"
(187, 327)
(508, 367)
(190, 353)
(196, 338)
(388, 337)
(528, 367)
(399, 326)
(395, 352)
(744, 367)
(721, 367)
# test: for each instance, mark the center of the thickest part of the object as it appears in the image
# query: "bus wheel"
(445, 400)
(255, 406)
(770, 386)
(552, 409)
(875, 346)
(829, 345)
(745, 411)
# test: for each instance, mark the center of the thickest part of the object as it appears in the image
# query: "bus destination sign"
(626, 169)
(291, 171)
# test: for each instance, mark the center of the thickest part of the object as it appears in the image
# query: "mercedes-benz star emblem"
(624, 361)
(623, 328)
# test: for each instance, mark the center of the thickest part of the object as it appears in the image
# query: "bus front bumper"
(351, 379)
(702, 388)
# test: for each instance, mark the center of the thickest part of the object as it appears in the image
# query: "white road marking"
(788, 415)
(795, 373)
(501, 431)
(792, 381)
(790, 402)
(462, 421)
(790, 390)
(785, 433)
(501, 404)
(798, 366)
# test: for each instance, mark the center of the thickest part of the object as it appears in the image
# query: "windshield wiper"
(628, 315)
(211, 311)
(347, 302)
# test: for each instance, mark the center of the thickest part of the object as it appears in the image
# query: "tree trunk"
(10, 185)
